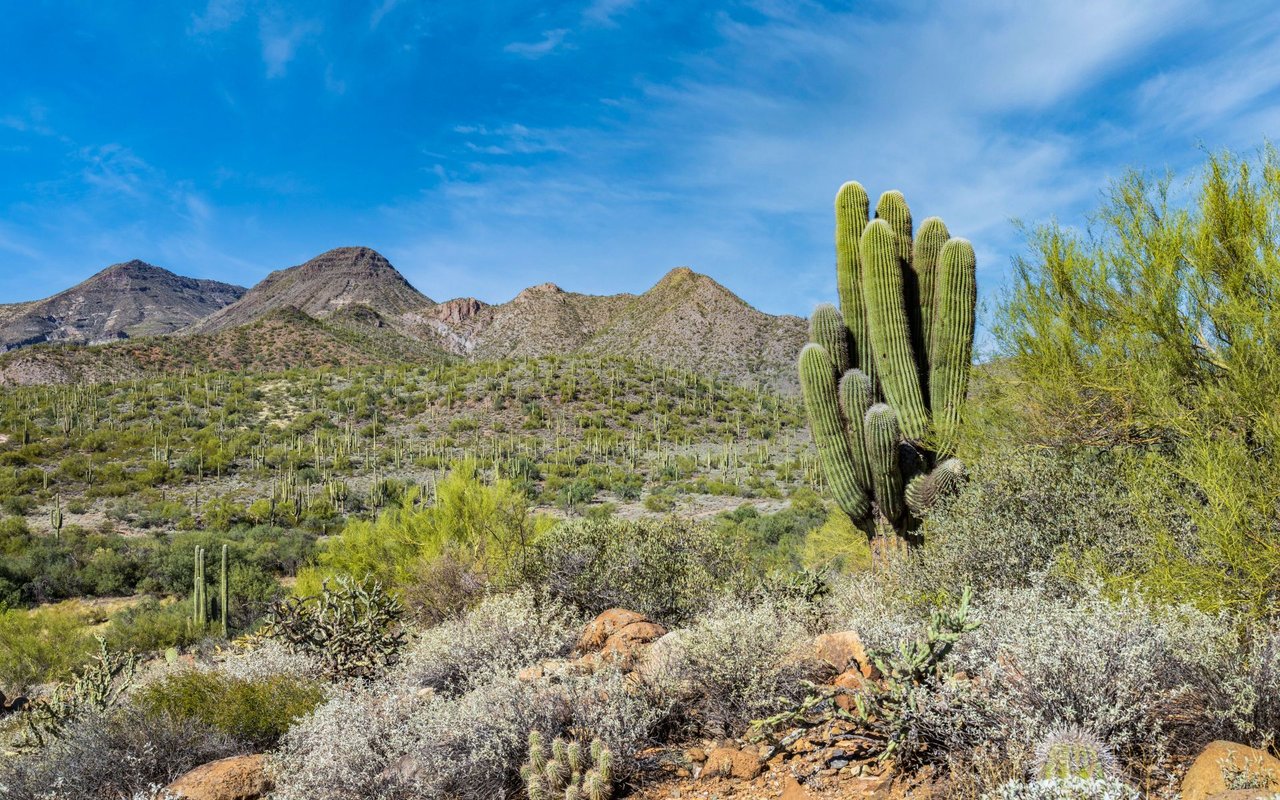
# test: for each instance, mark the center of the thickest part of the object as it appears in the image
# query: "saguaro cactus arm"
(882, 267)
(818, 383)
(852, 209)
(952, 338)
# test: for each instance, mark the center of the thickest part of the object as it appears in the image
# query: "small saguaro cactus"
(55, 517)
(567, 771)
(201, 605)
(1072, 752)
(884, 377)
(199, 599)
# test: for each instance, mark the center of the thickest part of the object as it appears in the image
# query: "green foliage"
(352, 628)
(665, 568)
(254, 711)
(1067, 520)
(1159, 333)
(567, 770)
(151, 626)
(890, 709)
(485, 527)
(40, 646)
(907, 334)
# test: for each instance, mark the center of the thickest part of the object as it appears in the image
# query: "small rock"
(1206, 779)
(602, 627)
(728, 762)
(792, 790)
(235, 778)
(844, 651)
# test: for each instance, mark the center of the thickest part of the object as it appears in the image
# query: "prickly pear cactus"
(885, 376)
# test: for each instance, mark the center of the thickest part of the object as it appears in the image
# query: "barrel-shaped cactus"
(907, 306)
(1072, 752)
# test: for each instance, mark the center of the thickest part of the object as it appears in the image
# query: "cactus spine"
(908, 312)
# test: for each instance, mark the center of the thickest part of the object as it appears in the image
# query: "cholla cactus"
(98, 687)
(352, 627)
(1072, 752)
(903, 334)
(568, 772)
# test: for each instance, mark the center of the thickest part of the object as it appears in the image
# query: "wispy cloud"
(549, 43)
(604, 12)
(281, 39)
(514, 139)
(218, 15)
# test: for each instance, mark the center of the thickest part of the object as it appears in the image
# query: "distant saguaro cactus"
(903, 335)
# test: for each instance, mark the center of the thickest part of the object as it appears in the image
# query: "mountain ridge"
(128, 299)
(351, 306)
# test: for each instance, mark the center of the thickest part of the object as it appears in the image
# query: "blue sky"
(485, 147)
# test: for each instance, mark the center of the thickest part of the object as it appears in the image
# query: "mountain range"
(351, 306)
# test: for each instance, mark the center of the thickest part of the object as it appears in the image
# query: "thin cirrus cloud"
(551, 41)
(597, 144)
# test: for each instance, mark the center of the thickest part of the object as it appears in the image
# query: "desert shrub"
(776, 541)
(738, 663)
(113, 756)
(502, 635)
(398, 745)
(267, 659)
(150, 626)
(1035, 517)
(1138, 676)
(1066, 789)
(1250, 696)
(254, 711)
(659, 502)
(667, 568)
(41, 646)
(1155, 334)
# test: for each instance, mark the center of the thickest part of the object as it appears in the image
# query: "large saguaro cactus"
(903, 335)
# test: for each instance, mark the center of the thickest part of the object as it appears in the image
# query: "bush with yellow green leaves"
(1157, 335)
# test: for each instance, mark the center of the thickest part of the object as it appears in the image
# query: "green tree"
(1158, 333)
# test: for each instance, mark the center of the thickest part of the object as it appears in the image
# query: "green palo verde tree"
(885, 376)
